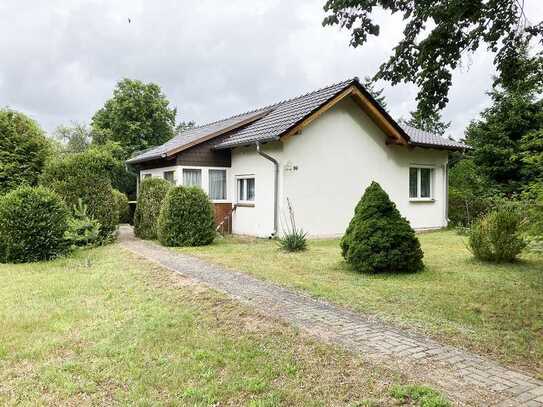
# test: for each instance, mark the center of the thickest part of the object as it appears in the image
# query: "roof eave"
(439, 147)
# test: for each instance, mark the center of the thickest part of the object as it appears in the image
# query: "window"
(147, 175)
(246, 189)
(168, 176)
(217, 184)
(192, 177)
(420, 183)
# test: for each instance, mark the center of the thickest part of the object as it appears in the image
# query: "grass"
(489, 308)
(104, 327)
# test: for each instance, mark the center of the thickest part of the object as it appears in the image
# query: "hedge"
(33, 221)
(121, 203)
(78, 176)
(152, 193)
(186, 218)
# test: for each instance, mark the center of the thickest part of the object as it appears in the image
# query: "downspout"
(275, 186)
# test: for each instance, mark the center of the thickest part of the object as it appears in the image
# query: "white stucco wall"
(337, 157)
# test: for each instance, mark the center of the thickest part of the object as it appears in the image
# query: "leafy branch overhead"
(437, 34)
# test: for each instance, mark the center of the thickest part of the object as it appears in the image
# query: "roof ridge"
(273, 105)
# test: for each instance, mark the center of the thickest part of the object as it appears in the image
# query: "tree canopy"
(138, 116)
(507, 141)
(431, 123)
(436, 36)
(23, 150)
(74, 138)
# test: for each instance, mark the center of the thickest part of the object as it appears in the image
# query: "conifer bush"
(152, 193)
(121, 203)
(378, 239)
(186, 218)
(33, 222)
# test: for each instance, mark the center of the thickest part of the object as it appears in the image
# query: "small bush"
(82, 229)
(152, 193)
(378, 238)
(121, 204)
(294, 239)
(497, 235)
(33, 221)
(186, 218)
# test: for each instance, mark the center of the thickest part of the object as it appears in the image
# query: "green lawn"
(492, 309)
(104, 327)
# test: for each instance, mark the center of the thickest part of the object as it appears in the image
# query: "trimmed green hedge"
(33, 221)
(82, 176)
(121, 203)
(378, 238)
(186, 218)
(152, 193)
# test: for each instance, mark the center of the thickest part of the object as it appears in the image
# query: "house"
(320, 150)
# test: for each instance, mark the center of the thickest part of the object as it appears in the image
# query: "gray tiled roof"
(191, 135)
(271, 122)
(425, 138)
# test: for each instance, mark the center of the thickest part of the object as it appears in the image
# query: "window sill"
(422, 200)
(245, 205)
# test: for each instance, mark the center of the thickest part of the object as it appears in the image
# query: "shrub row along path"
(452, 368)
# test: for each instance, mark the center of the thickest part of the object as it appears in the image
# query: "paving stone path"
(365, 335)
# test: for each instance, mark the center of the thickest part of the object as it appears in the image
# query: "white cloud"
(211, 58)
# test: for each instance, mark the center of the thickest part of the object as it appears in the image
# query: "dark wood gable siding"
(203, 155)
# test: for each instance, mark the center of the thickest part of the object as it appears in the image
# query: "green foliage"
(430, 122)
(186, 218)
(23, 150)
(152, 194)
(378, 238)
(121, 203)
(497, 235)
(82, 229)
(423, 396)
(138, 116)
(471, 194)
(437, 34)
(293, 239)
(507, 141)
(75, 138)
(86, 176)
(369, 84)
(33, 221)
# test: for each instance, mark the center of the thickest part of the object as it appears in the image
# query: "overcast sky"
(62, 58)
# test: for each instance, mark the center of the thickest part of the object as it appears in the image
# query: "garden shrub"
(121, 203)
(33, 221)
(497, 236)
(379, 239)
(152, 193)
(81, 176)
(83, 230)
(186, 218)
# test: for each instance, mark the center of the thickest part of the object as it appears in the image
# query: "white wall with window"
(213, 180)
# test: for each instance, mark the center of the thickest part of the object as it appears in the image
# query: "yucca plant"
(294, 239)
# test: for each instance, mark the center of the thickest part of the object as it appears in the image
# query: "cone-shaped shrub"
(378, 238)
(33, 222)
(186, 218)
(152, 193)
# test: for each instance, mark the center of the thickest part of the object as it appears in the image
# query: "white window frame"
(201, 169)
(240, 179)
(173, 181)
(225, 183)
(419, 198)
